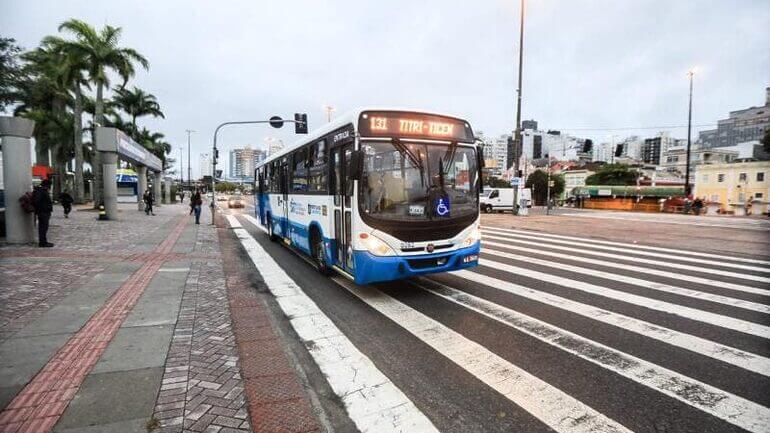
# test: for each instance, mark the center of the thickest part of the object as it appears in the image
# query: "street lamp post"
(329, 109)
(687, 186)
(189, 172)
(517, 145)
(276, 122)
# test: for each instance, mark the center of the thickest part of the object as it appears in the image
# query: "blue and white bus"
(377, 195)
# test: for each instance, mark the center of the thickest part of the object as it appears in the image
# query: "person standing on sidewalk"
(195, 204)
(43, 209)
(66, 201)
(149, 199)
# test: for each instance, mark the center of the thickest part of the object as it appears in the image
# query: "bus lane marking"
(708, 317)
(720, 352)
(714, 401)
(623, 266)
(705, 296)
(555, 408)
(372, 401)
(659, 255)
(627, 245)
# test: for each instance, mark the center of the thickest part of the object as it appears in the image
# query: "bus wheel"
(319, 255)
(270, 231)
(488, 208)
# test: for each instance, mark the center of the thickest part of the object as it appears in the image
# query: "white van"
(501, 199)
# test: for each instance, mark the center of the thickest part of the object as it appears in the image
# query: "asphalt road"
(550, 333)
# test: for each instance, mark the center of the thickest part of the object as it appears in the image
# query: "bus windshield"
(416, 181)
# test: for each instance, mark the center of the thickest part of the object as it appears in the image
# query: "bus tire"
(317, 249)
(488, 208)
(270, 231)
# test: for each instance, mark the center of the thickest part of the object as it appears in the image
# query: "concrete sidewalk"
(124, 326)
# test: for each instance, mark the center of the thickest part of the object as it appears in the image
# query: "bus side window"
(318, 169)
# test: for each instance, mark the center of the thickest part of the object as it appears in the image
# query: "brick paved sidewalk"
(126, 326)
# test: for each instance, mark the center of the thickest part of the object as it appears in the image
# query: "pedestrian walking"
(66, 201)
(181, 197)
(697, 205)
(43, 209)
(195, 205)
(149, 199)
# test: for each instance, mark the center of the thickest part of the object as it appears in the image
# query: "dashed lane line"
(633, 246)
(720, 320)
(695, 294)
(699, 269)
(555, 408)
(372, 401)
(739, 358)
(721, 404)
(632, 268)
(626, 251)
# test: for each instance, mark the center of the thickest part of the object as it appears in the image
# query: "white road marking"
(372, 401)
(688, 223)
(721, 404)
(174, 270)
(730, 355)
(254, 221)
(725, 300)
(637, 259)
(584, 245)
(649, 271)
(653, 304)
(634, 246)
(234, 223)
(555, 408)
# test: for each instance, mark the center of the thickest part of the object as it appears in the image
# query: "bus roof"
(349, 117)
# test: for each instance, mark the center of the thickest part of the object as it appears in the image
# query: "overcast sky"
(587, 64)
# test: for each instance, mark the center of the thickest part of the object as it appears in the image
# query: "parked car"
(501, 199)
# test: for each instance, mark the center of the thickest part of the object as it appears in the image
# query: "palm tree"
(72, 71)
(101, 53)
(137, 103)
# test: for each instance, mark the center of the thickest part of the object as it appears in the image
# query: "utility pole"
(181, 165)
(189, 172)
(517, 145)
(687, 186)
(329, 109)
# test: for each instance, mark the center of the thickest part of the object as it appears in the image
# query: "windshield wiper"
(414, 159)
(450, 156)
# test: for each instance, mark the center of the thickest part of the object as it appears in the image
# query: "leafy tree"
(71, 75)
(766, 141)
(10, 72)
(496, 182)
(137, 103)
(613, 174)
(101, 52)
(226, 186)
(538, 182)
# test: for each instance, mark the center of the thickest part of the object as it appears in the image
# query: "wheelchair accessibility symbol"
(442, 207)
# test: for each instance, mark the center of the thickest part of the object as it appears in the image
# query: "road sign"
(515, 181)
(276, 122)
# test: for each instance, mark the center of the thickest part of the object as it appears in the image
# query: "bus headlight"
(473, 237)
(375, 245)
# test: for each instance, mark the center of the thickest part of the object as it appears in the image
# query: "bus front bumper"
(372, 269)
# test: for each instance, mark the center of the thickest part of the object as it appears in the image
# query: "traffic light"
(300, 124)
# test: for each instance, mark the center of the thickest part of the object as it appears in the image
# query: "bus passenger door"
(285, 198)
(343, 196)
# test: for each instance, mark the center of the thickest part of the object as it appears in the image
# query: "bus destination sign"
(413, 125)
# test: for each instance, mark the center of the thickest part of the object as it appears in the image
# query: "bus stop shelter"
(112, 142)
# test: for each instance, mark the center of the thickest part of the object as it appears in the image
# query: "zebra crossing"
(548, 333)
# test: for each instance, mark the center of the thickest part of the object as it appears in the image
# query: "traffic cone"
(102, 213)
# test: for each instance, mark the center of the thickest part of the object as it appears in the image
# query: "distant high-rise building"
(741, 126)
(205, 165)
(273, 145)
(243, 161)
(529, 124)
(654, 149)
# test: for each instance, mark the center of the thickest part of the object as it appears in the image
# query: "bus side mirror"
(355, 165)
